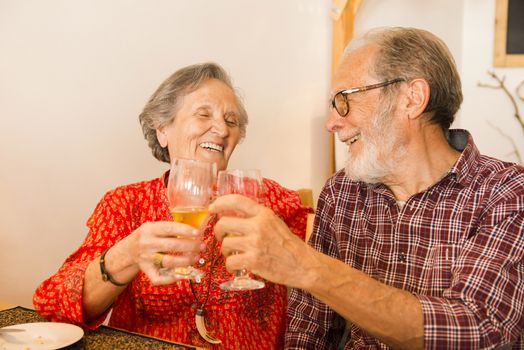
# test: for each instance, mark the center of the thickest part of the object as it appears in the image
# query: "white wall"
(74, 75)
(485, 108)
(467, 27)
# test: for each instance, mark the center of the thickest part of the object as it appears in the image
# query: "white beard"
(381, 150)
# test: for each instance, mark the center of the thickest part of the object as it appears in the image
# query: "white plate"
(40, 336)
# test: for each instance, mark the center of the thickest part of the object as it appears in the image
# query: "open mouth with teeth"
(353, 139)
(212, 146)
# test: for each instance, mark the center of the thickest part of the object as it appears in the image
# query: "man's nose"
(334, 121)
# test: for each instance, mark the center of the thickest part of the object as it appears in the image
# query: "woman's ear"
(417, 97)
(161, 137)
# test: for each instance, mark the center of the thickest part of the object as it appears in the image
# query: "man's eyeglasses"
(340, 100)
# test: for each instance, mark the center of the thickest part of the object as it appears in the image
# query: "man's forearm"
(392, 315)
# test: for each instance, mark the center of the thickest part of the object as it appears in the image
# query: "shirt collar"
(463, 169)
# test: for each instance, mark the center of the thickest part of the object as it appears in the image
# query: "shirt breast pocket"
(438, 268)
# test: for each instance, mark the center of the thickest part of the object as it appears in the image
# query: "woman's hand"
(180, 242)
(136, 252)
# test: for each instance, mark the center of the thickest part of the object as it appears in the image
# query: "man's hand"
(262, 242)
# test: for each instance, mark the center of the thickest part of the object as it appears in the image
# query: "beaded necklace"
(200, 306)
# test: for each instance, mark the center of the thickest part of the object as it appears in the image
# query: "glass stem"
(240, 273)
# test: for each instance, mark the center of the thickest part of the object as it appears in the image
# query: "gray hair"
(411, 53)
(162, 106)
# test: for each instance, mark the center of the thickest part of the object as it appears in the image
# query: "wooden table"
(102, 338)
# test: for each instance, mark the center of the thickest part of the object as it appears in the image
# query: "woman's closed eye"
(231, 121)
(203, 112)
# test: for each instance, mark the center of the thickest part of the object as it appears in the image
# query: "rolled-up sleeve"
(60, 297)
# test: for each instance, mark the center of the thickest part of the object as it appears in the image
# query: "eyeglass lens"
(341, 104)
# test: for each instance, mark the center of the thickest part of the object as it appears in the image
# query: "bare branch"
(502, 86)
(506, 136)
(520, 95)
(488, 86)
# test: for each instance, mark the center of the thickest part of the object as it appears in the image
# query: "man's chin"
(351, 172)
(362, 172)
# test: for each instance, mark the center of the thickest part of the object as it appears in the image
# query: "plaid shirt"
(458, 247)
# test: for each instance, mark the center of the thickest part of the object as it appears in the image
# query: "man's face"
(369, 130)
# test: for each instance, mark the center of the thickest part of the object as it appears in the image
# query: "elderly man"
(419, 241)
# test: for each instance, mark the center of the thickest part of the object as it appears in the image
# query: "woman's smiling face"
(206, 125)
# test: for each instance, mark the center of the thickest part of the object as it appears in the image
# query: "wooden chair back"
(306, 197)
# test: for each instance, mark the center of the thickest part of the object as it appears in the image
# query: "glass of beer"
(189, 191)
(247, 183)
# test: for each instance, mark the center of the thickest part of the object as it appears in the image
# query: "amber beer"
(194, 216)
(190, 216)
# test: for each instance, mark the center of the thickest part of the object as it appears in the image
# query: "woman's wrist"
(117, 266)
(106, 276)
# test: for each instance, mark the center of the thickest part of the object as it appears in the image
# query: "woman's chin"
(213, 157)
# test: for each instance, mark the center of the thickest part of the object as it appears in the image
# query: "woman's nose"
(220, 127)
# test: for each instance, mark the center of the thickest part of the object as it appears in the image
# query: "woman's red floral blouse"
(242, 320)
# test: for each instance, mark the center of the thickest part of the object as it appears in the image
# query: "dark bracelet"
(105, 275)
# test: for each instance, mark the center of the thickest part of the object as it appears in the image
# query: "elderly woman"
(194, 114)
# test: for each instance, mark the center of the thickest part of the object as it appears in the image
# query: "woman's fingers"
(160, 267)
(178, 245)
(165, 236)
(163, 246)
(157, 277)
(171, 261)
(169, 229)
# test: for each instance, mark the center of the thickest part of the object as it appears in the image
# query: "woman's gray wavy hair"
(411, 53)
(162, 106)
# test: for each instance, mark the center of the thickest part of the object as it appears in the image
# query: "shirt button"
(402, 257)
